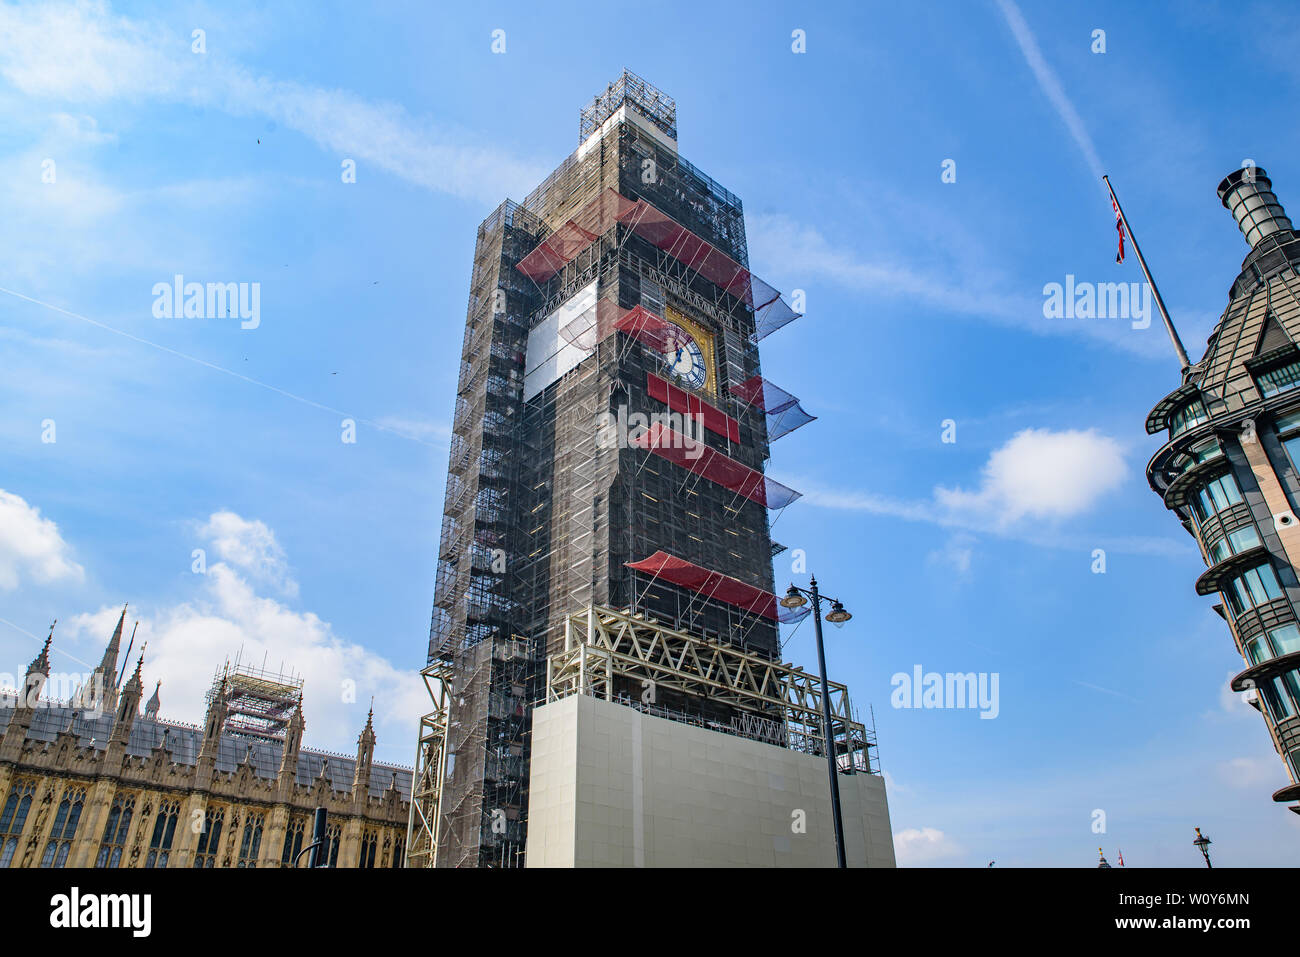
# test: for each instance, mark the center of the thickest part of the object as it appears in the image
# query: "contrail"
(1051, 86)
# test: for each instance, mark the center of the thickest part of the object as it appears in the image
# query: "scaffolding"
(576, 296)
(253, 701)
(629, 89)
(618, 655)
(611, 208)
(430, 766)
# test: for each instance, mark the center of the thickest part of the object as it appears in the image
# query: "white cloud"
(1254, 774)
(803, 250)
(251, 547)
(80, 50)
(189, 642)
(85, 54)
(924, 845)
(1041, 475)
(956, 553)
(81, 220)
(1234, 703)
(31, 546)
(81, 127)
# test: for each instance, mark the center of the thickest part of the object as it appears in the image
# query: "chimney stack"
(1247, 193)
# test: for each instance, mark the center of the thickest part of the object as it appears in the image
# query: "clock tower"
(618, 290)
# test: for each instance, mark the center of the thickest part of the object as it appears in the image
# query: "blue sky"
(924, 304)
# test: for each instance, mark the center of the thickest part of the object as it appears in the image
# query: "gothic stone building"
(92, 782)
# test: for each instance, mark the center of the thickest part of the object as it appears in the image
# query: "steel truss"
(430, 770)
(602, 645)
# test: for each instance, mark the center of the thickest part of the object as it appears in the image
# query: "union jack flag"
(1119, 228)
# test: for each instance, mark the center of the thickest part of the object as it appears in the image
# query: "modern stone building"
(1230, 469)
(93, 782)
(606, 531)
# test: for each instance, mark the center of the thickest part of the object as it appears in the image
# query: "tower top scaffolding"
(629, 89)
(255, 701)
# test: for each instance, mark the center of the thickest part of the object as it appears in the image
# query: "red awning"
(697, 457)
(733, 591)
(562, 246)
(679, 400)
(771, 312)
(645, 326)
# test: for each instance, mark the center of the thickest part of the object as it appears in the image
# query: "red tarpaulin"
(595, 219)
(598, 323)
(695, 456)
(562, 246)
(733, 591)
(771, 312)
(679, 400)
(645, 326)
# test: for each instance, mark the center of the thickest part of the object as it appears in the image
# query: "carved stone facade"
(94, 783)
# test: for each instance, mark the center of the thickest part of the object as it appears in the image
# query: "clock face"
(684, 358)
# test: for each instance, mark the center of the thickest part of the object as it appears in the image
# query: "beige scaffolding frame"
(601, 644)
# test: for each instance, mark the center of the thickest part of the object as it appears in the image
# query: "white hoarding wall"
(613, 787)
(550, 355)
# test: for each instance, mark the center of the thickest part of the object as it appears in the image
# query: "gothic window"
(251, 842)
(115, 831)
(65, 828)
(293, 842)
(333, 838)
(399, 851)
(369, 844)
(210, 839)
(164, 827)
(13, 817)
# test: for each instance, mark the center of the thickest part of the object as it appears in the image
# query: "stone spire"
(153, 704)
(101, 691)
(214, 721)
(292, 744)
(135, 675)
(37, 672)
(128, 708)
(365, 757)
(109, 662)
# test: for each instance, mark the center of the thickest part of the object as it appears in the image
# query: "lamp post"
(318, 856)
(1204, 843)
(794, 598)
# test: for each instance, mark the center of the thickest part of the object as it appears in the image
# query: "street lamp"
(794, 598)
(1204, 843)
(318, 841)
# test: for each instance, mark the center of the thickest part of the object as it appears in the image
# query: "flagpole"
(1155, 291)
